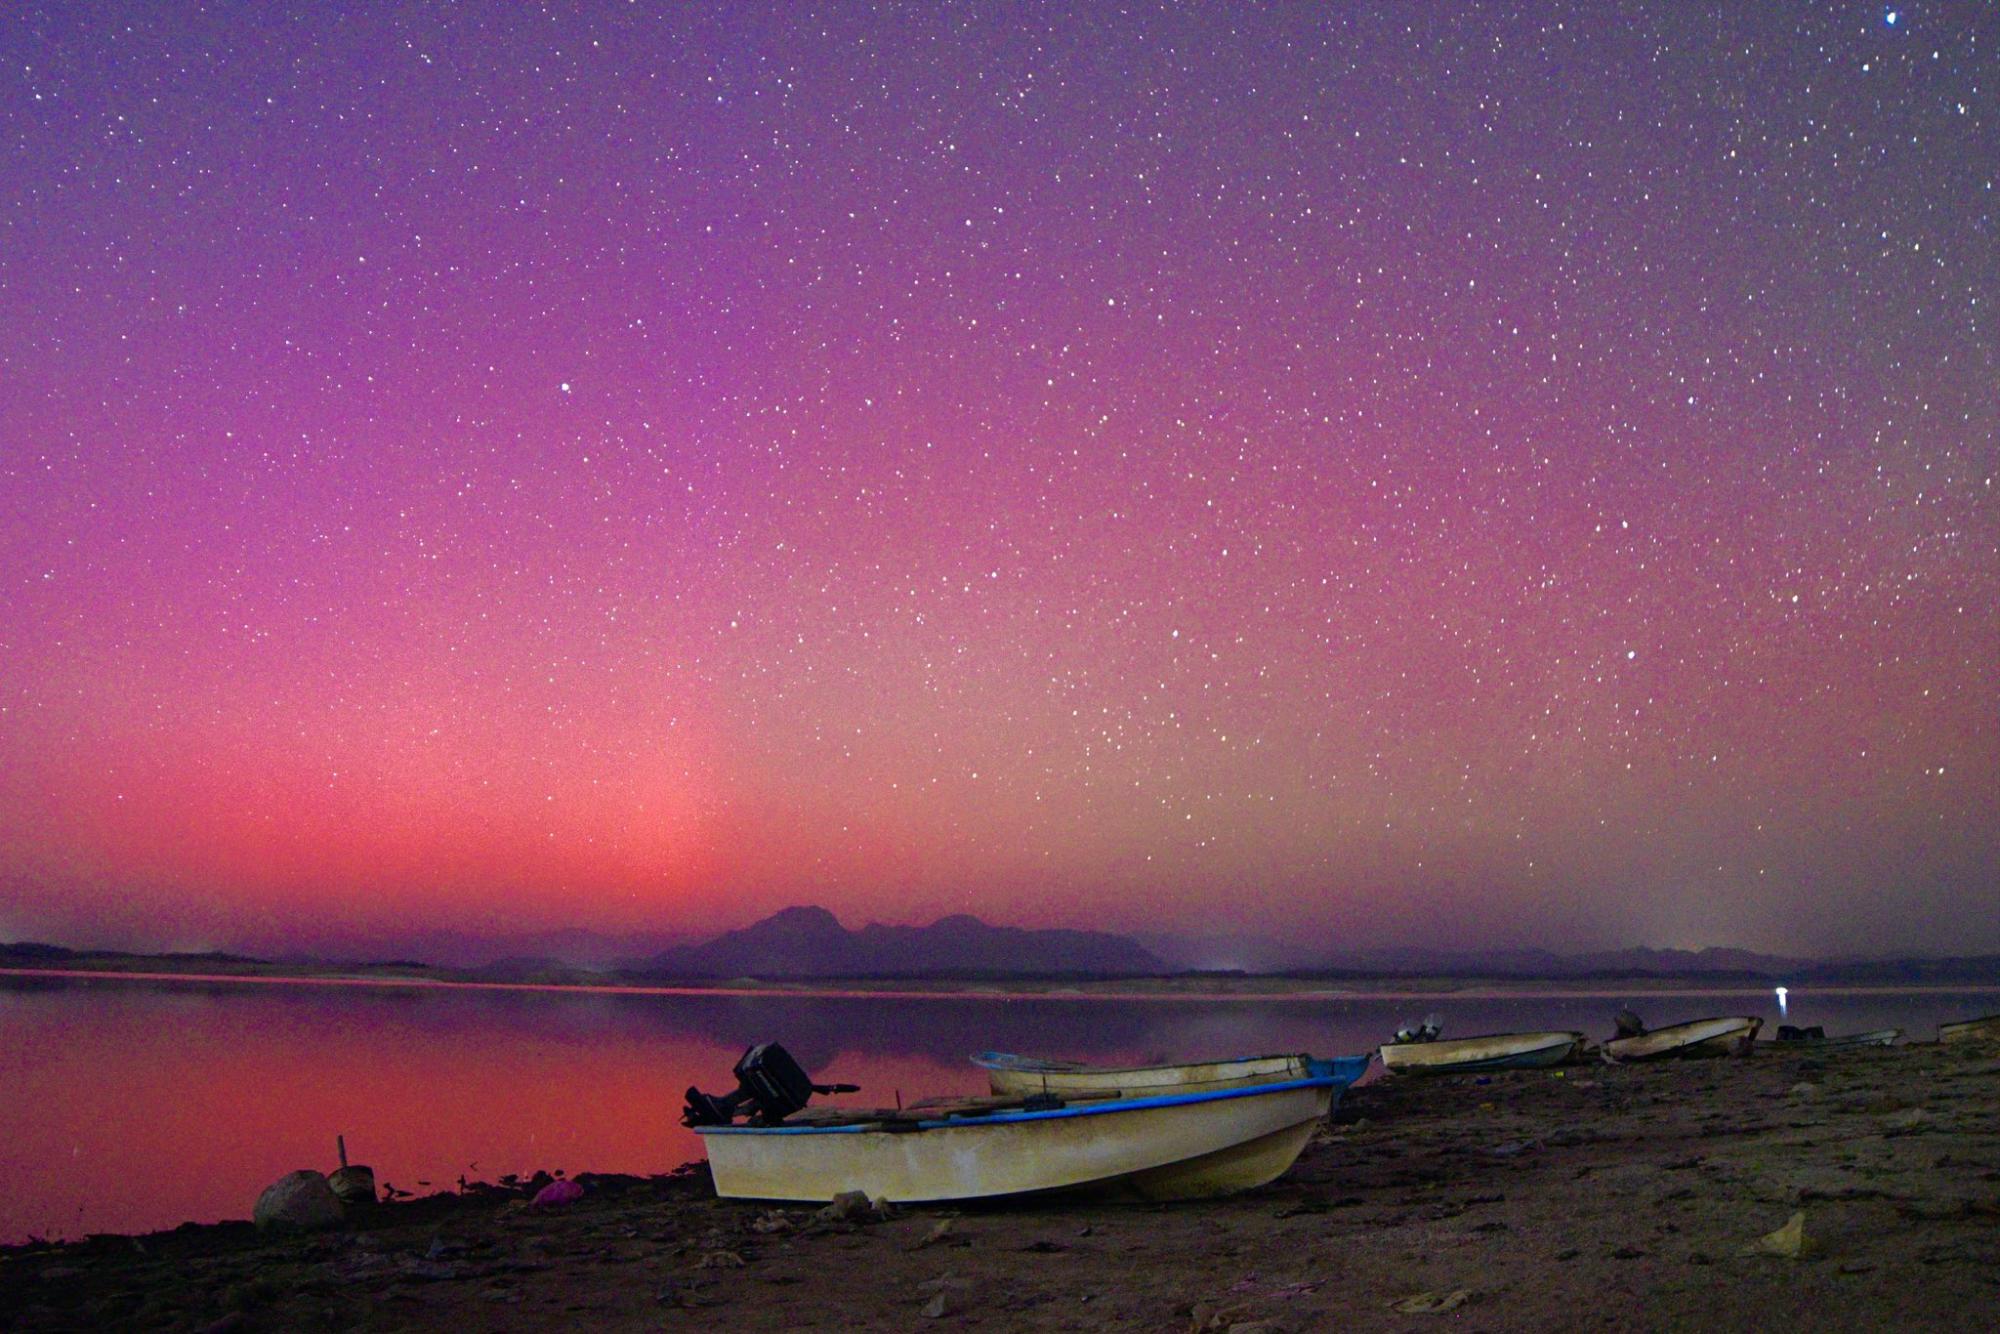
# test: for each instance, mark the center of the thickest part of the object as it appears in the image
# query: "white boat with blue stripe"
(1170, 1147)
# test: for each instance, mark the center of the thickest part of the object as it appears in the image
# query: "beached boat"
(1172, 1147)
(1021, 1075)
(1493, 1051)
(1984, 1029)
(1814, 1038)
(1728, 1036)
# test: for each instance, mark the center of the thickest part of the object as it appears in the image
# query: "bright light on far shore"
(1781, 999)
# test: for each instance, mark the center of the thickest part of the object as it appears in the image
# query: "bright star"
(1892, 16)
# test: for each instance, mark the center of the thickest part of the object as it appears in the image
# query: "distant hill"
(803, 943)
(1546, 964)
(1714, 964)
(1966, 970)
(811, 942)
(35, 954)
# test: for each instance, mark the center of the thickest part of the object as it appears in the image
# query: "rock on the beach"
(844, 1206)
(941, 1231)
(1788, 1241)
(353, 1185)
(854, 1206)
(556, 1194)
(299, 1200)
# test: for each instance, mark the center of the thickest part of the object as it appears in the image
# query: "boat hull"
(1728, 1036)
(1019, 1076)
(1495, 1051)
(1166, 1148)
(1984, 1029)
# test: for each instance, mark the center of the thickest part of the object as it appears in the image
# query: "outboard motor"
(1424, 1030)
(769, 1081)
(1815, 1033)
(1628, 1024)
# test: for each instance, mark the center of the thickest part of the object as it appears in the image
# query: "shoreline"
(1533, 1199)
(1267, 989)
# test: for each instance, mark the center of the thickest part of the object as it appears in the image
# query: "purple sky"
(1415, 473)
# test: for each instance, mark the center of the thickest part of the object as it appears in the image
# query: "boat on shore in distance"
(1730, 1035)
(1983, 1029)
(1475, 1055)
(1024, 1075)
(1815, 1038)
(1179, 1146)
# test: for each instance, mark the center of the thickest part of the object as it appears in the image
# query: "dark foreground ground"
(1592, 1198)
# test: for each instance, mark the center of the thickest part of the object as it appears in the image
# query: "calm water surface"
(128, 1106)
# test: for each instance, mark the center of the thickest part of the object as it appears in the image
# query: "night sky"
(1391, 473)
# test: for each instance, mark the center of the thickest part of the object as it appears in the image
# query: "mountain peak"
(804, 917)
(811, 942)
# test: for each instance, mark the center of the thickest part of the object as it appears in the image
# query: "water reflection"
(131, 1106)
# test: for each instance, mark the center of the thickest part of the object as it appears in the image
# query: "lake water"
(128, 1106)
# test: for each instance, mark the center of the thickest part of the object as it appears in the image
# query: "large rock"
(298, 1200)
(353, 1185)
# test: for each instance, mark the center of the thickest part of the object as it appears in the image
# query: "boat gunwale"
(1744, 1026)
(1570, 1033)
(1873, 1037)
(1052, 1114)
(1744, 1019)
(1978, 1021)
(1038, 1065)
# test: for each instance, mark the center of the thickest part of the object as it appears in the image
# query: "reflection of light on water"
(1781, 1000)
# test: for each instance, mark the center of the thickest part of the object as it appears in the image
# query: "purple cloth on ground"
(558, 1192)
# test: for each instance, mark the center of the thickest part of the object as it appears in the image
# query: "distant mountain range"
(1545, 963)
(811, 942)
(1714, 964)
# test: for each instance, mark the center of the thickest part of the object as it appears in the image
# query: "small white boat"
(1816, 1038)
(1728, 1036)
(1492, 1051)
(1024, 1075)
(1173, 1147)
(1983, 1029)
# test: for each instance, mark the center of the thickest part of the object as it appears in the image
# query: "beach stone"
(302, 1201)
(556, 1194)
(846, 1207)
(1788, 1241)
(353, 1185)
(940, 1232)
(1804, 1090)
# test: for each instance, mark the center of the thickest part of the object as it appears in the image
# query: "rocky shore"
(1593, 1197)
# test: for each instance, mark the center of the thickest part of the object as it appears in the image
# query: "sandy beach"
(1590, 1197)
